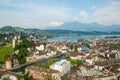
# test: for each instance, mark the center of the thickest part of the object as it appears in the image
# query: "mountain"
(113, 28)
(79, 33)
(19, 29)
(70, 28)
(7, 28)
(77, 26)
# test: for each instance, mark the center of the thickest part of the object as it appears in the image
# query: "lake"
(75, 38)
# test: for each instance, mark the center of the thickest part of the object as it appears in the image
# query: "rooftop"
(61, 62)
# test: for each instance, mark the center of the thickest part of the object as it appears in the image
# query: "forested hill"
(6, 30)
(70, 32)
(9, 30)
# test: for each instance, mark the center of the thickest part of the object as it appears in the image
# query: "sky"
(44, 13)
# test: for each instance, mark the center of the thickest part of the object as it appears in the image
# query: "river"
(37, 63)
(75, 38)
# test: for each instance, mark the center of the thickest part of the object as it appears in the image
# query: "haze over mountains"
(77, 26)
(71, 28)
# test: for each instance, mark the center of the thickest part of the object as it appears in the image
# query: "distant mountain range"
(70, 28)
(77, 26)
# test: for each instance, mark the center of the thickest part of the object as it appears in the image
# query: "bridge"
(30, 63)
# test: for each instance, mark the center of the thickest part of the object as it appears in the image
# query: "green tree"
(76, 49)
(45, 45)
(22, 55)
(71, 47)
(0, 75)
(49, 62)
(75, 63)
(27, 76)
(6, 78)
(58, 52)
(22, 47)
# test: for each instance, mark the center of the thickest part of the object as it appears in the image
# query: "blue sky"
(43, 13)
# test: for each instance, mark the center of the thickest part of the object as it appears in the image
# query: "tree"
(22, 47)
(20, 78)
(58, 52)
(71, 47)
(6, 78)
(75, 63)
(45, 45)
(22, 55)
(0, 75)
(49, 62)
(27, 76)
(79, 40)
(76, 49)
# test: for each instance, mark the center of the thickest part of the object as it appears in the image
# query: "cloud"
(93, 7)
(109, 14)
(34, 13)
(84, 15)
(56, 23)
(30, 14)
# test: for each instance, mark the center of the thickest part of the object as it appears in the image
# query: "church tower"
(13, 43)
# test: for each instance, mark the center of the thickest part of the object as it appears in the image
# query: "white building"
(13, 43)
(62, 66)
(8, 63)
(117, 54)
(40, 48)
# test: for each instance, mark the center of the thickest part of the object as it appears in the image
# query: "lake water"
(75, 38)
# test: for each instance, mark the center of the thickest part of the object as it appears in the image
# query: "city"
(40, 59)
(59, 40)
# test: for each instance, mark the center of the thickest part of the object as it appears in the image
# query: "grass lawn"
(5, 51)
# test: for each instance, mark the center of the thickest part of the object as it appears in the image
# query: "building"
(89, 60)
(62, 66)
(87, 70)
(76, 56)
(13, 42)
(40, 48)
(40, 73)
(8, 63)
